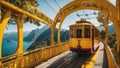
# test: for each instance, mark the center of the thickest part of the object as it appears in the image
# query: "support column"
(59, 39)
(0, 12)
(118, 40)
(20, 35)
(117, 30)
(118, 7)
(3, 24)
(52, 35)
(106, 30)
(119, 21)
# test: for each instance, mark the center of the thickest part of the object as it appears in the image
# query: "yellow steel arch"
(101, 5)
(4, 22)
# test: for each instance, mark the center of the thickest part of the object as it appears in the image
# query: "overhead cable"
(50, 6)
(57, 3)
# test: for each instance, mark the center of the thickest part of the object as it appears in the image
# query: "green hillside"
(45, 38)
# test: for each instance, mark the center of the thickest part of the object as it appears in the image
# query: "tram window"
(78, 27)
(71, 33)
(86, 31)
(79, 33)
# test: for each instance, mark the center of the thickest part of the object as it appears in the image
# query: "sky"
(51, 8)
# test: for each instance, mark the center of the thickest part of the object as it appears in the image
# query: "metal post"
(3, 24)
(59, 39)
(118, 7)
(106, 30)
(20, 35)
(52, 35)
(0, 12)
(118, 33)
(119, 22)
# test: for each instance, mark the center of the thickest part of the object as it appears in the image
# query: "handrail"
(47, 20)
(111, 61)
(34, 57)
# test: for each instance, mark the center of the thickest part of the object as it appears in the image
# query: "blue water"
(9, 48)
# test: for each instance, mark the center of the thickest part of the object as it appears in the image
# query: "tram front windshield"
(79, 33)
(86, 31)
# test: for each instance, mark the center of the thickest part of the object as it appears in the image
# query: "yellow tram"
(84, 37)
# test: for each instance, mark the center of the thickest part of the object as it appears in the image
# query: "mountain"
(26, 33)
(13, 35)
(33, 35)
(42, 37)
(110, 29)
(45, 38)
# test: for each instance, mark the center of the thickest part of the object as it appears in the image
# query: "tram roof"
(77, 24)
(81, 22)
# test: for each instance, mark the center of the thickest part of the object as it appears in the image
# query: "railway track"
(72, 60)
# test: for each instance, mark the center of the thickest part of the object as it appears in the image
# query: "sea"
(9, 47)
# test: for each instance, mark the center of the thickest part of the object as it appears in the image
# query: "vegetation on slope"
(44, 39)
(27, 5)
(111, 38)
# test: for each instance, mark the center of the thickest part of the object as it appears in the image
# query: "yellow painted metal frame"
(110, 57)
(106, 30)
(90, 62)
(34, 57)
(19, 13)
(18, 10)
(102, 5)
(0, 12)
(20, 35)
(3, 24)
(118, 41)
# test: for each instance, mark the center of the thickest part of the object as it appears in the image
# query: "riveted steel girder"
(42, 18)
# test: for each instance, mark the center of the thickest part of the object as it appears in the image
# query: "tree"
(112, 40)
(102, 35)
(26, 5)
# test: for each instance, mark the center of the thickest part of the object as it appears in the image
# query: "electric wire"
(57, 3)
(94, 13)
(60, 8)
(50, 6)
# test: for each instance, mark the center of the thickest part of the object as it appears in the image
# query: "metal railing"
(110, 57)
(32, 58)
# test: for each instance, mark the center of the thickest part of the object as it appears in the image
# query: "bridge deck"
(72, 60)
(54, 59)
